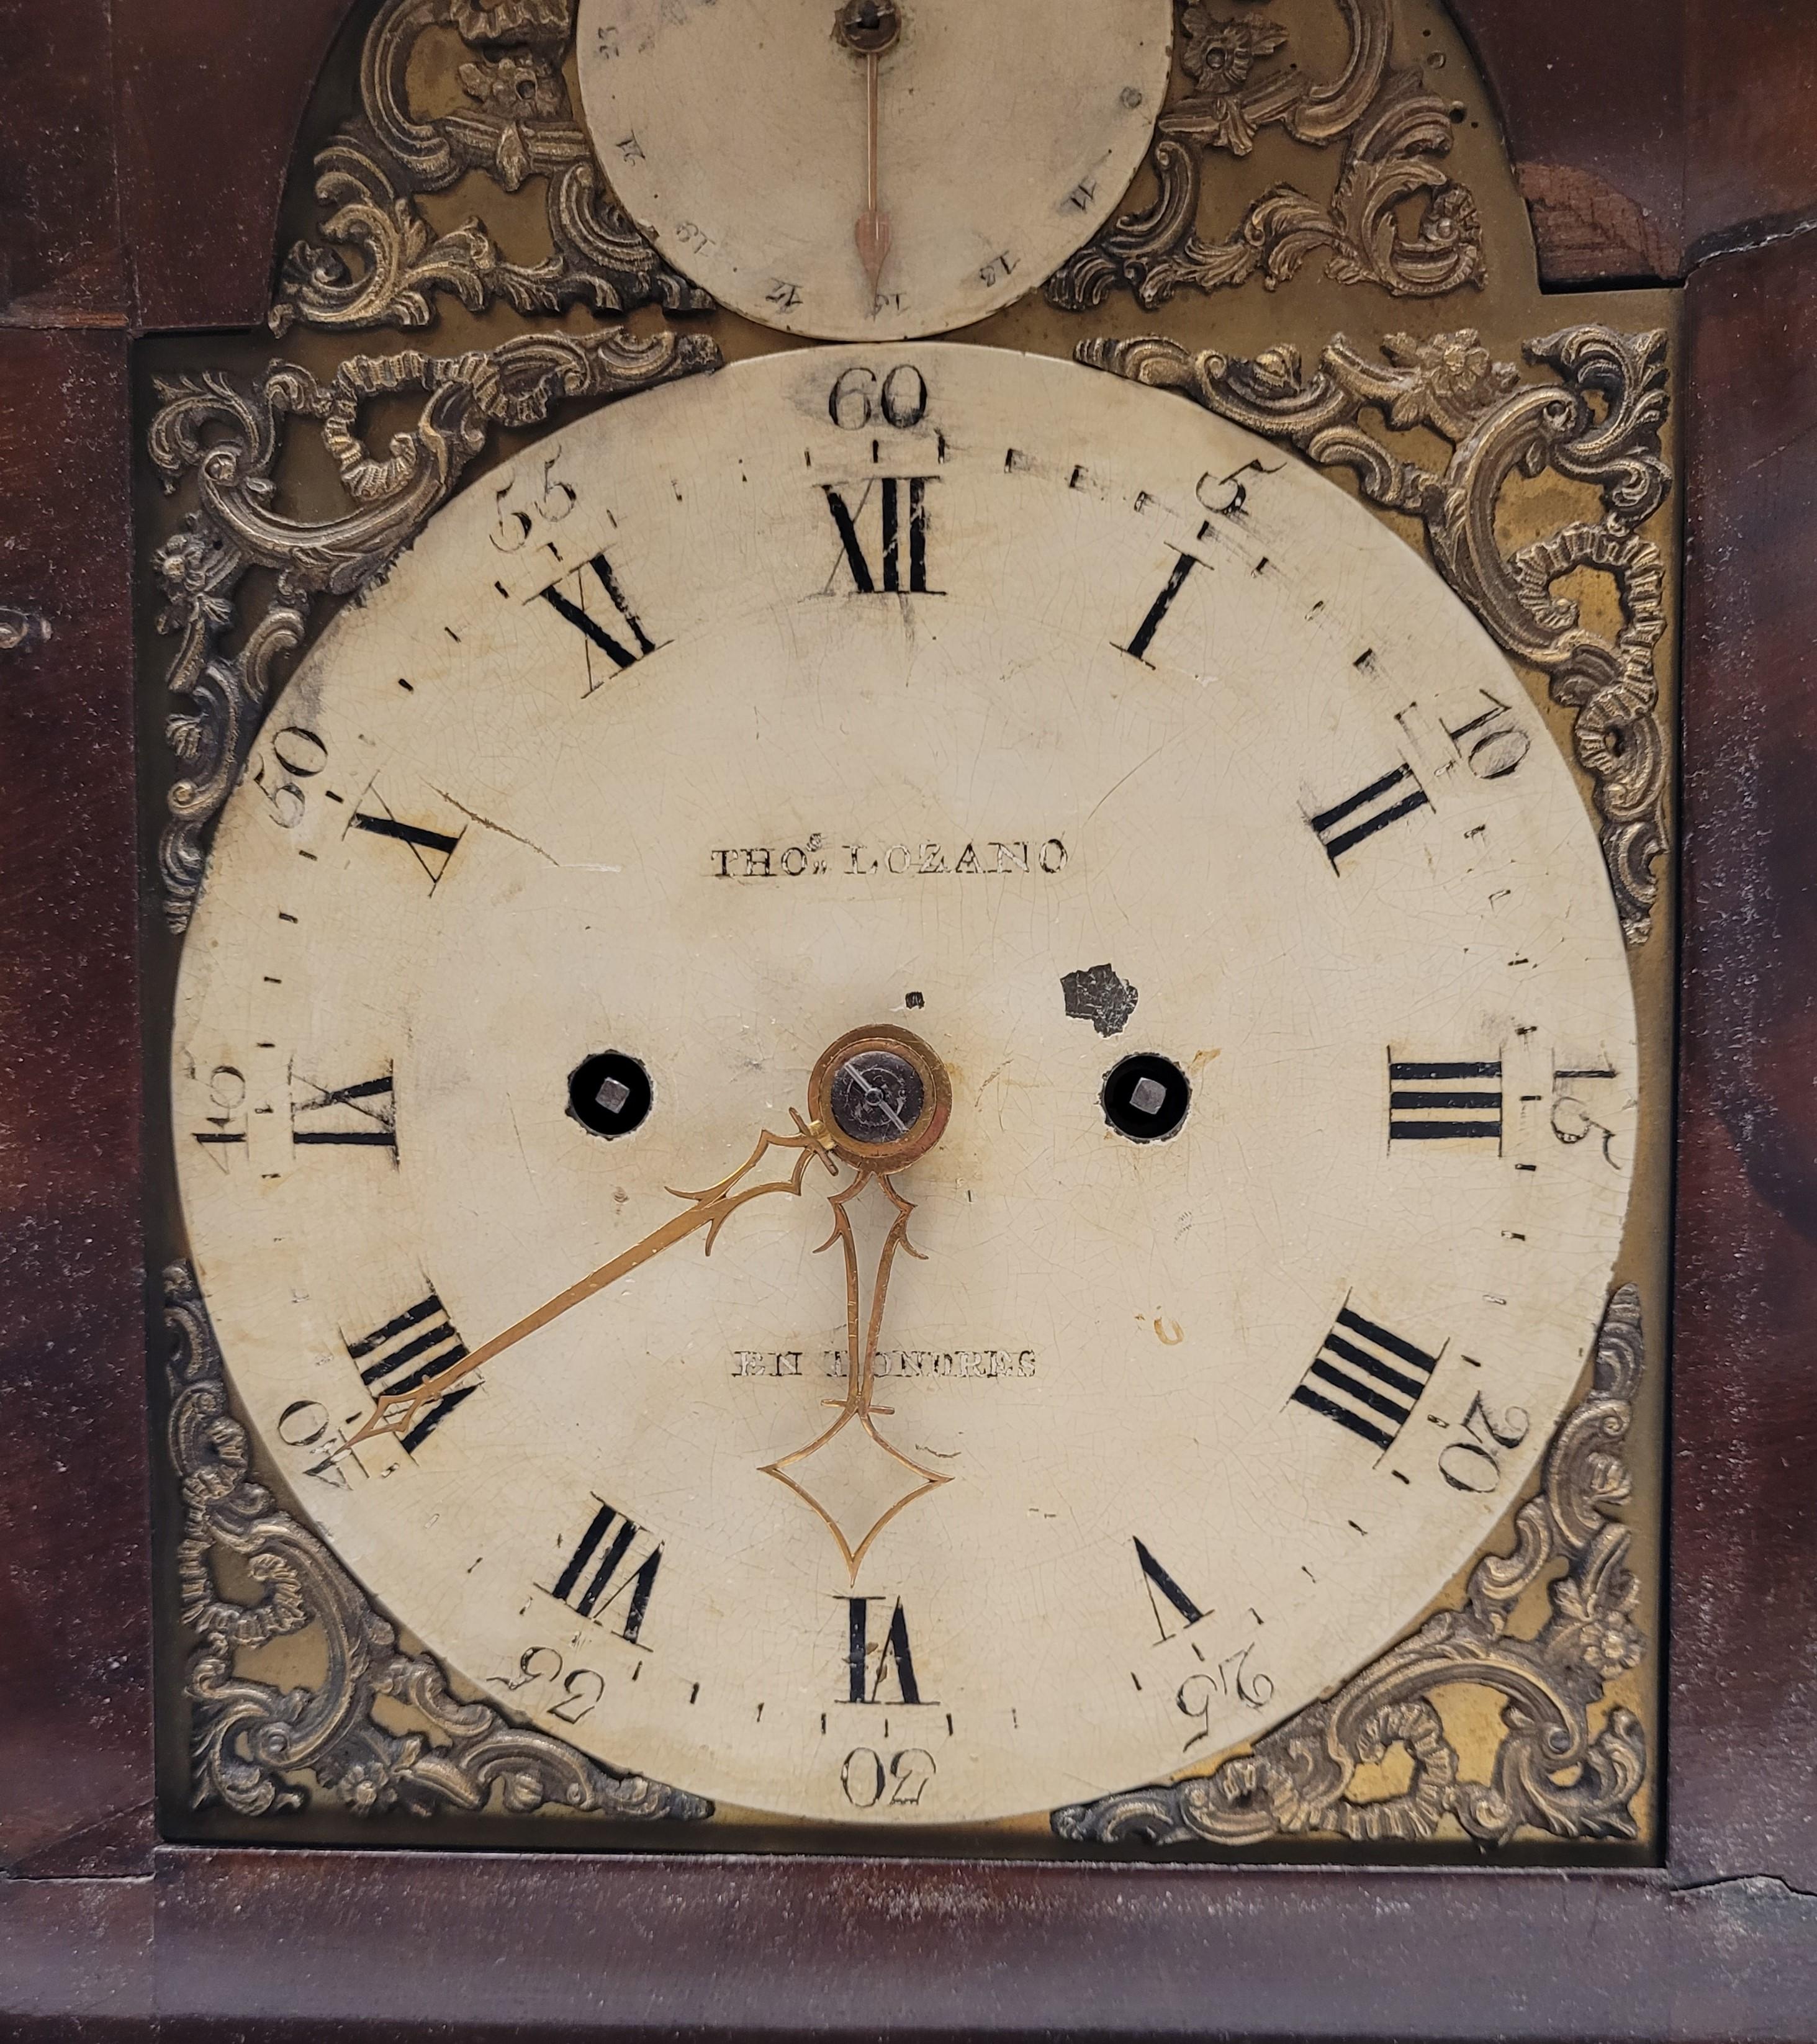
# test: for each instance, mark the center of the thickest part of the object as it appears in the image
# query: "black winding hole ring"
(1146, 1097)
(609, 1094)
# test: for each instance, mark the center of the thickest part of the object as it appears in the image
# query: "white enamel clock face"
(1226, 870)
(736, 134)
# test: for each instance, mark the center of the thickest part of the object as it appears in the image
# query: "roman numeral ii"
(1346, 825)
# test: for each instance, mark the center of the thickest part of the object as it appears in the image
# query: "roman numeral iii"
(1365, 1380)
(626, 644)
(901, 524)
(1346, 825)
(602, 1576)
(1441, 1102)
(409, 1350)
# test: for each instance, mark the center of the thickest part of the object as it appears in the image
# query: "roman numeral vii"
(604, 1572)
(409, 1350)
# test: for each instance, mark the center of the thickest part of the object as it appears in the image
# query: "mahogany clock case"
(1650, 150)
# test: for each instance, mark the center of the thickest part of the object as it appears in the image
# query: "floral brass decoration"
(1242, 78)
(229, 436)
(1598, 424)
(382, 264)
(249, 1737)
(1551, 1772)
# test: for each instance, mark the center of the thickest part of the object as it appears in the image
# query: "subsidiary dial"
(871, 169)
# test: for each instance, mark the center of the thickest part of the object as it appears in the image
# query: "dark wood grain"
(211, 95)
(60, 257)
(1744, 1658)
(74, 1619)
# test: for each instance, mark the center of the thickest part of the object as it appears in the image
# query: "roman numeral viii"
(409, 1350)
(1346, 825)
(604, 1575)
(1443, 1102)
(1365, 1380)
(902, 527)
(626, 644)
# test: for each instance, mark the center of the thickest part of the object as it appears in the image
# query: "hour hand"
(398, 1411)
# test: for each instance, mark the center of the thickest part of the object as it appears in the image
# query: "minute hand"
(397, 1412)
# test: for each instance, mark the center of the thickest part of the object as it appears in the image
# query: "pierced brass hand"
(868, 28)
(883, 1098)
(397, 1412)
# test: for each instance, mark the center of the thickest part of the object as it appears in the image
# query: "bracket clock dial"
(1070, 915)
(905, 1086)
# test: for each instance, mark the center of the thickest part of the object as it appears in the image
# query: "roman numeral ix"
(575, 610)
(409, 1350)
(1443, 1102)
(1346, 824)
(362, 1116)
(590, 1583)
(1365, 1380)
(901, 512)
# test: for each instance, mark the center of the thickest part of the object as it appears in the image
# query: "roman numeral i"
(1365, 1380)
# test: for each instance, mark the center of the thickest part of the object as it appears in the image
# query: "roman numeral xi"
(1365, 1380)
(614, 629)
(408, 1351)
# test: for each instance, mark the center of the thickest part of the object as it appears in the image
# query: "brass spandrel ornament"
(772, 756)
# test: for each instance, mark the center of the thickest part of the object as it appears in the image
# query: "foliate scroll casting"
(1243, 78)
(382, 264)
(1551, 1772)
(251, 1737)
(1599, 423)
(229, 436)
